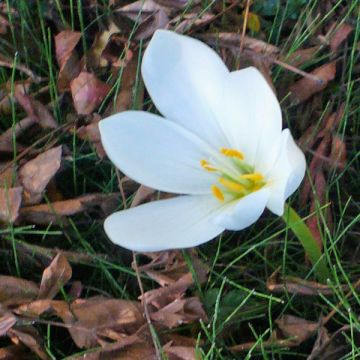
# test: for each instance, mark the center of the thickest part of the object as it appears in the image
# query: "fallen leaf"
(65, 43)
(339, 36)
(29, 336)
(55, 276)
(179, 312)
(293, 285)
(87, 92)
(44, 214)
(7, 321)
(140, 10)
(15, 352)
(142, 194)
(158, 20)
(181, 352)
(8, 175)
(10, 201)
(6, 138)
(36, 110)
(15, 291)
(185, 22)
(306, 87)
(301, 56)
(297, 329)
(6, 101)
(36, 174)
(337, 157)
(95, 314)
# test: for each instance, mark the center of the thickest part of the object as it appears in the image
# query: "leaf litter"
(32, 172)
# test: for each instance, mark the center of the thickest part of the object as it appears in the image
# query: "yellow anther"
(232, 185)
(232, 153)
(253, 177)
(217, 193)
(205, 165)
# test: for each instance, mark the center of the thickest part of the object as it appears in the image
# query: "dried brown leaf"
(185, 22)
(301, 56)
(96, 314)
(306, 87)
(140, 10)
(158, 20)
(29, 336)
(55, 212)
(142, 194)
(55, 276)
(7, 321)
(87, 92)
(339, 36)
(181, 352)
(10, 201)
(36, 110)
(293, 285)
(40, 307)
(297, 329)
(8, 176)
(14, 291)
(337, 157)
(36, 174)
(6, 99)
(15, 352)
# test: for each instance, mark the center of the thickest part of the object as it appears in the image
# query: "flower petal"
(184, 77)
(244, 212)
(181, 222)
(287, 173)
(156, 152)
(250, 116)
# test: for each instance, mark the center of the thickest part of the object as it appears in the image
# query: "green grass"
(239, 306)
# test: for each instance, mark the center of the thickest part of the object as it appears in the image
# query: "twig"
(244, 26)
(146, 310)
(21, 68)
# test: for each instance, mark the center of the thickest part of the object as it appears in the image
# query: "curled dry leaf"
(55, 276)
(7, 321)
(87, 92)
(15, 291)
(306, 87)
(293, 285)
(10, 201)
(65, 43)
(55, 212)
(36, 174)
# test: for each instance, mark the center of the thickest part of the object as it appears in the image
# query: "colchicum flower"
(221, 147)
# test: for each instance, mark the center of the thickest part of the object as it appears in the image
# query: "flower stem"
(311, 247)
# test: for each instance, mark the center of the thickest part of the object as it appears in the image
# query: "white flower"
(221, 146)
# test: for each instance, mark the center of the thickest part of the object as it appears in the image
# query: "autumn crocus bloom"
(220, 146)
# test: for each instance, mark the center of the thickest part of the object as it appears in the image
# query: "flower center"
(236, 178)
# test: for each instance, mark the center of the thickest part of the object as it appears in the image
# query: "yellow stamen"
(205, 165)
(232, 153)
(253, 177)
(217, 193)
(232, 185)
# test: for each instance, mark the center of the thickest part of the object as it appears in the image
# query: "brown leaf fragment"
(301, 56)
(181, 352)
(7, 321)
(65, 43)
(306, 87)
(36, 174)
(8, 176)
(96, 314)
(158, 20)
(29, 336)
(233, 40)
(55, 212)
(337, 157)
(10, 201)
(179, 312)
(87, 92)
(91, 133)
(293, 285)
(6, 89)
(15, 352)
(36, 110)
(142, 194)
(185, 22)
(55, 276)
(297, 329)
(14, 291)
(95, 58)
(339, 36)
(6, 138)
(140, 10)
(41, 307)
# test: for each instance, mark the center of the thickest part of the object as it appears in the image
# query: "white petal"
(250, 116)
(184, 77)
(244, 212)
(156, 152)
(181, 222)
(287, 173)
